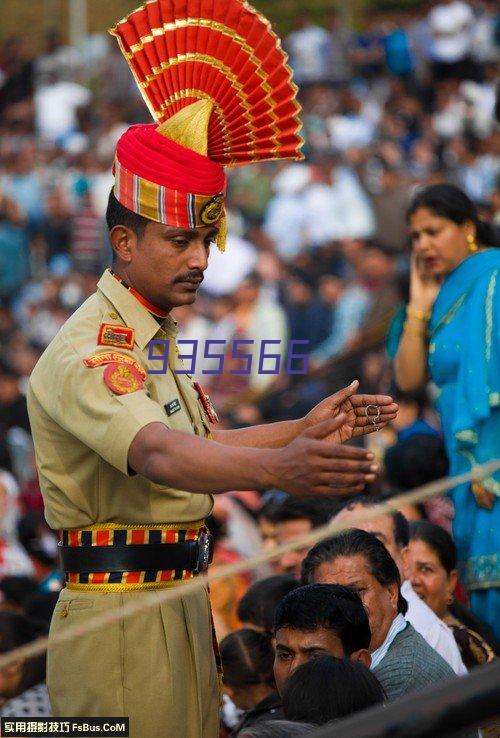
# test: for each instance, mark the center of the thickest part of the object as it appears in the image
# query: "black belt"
(193, 556)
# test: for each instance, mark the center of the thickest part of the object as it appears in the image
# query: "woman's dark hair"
(356, 542)
(118, 214)
(416, 460)
(443, 546)
(18, 630)
(326, 688)
(247, 658)
(438, 539)
(259, 604)
(452, 203)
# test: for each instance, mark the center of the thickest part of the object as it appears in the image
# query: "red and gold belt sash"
(111, 534)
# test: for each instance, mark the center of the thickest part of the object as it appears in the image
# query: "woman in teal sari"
(452, 334)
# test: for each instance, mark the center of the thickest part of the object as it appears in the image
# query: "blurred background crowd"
(317, 251)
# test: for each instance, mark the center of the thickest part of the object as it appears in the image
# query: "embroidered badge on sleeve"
(109, 357)
(116, 335)
(122, 379)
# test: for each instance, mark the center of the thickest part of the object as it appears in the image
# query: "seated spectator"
(433, 574)
(410, 419)
(22, 684)
(326, 688)
(319, 620)
(40, 605)
(295, 517)
(267, 528)
(278, 729)
(393, 531)
(13, 410)
(257, 607)
(418, 460)
(14, 590)
(400, 658)
(40, 542)
(247, 662)
(13, 559)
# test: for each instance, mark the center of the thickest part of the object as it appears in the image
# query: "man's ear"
(362, 655)
(393, 590)
(405, 556)
(123, 240)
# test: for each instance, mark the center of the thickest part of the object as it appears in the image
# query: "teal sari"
(464, 364)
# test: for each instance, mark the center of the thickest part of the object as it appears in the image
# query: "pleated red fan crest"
(182, 51)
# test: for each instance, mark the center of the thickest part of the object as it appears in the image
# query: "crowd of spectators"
(317, 254)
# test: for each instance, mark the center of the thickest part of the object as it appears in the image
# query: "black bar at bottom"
(65, 727)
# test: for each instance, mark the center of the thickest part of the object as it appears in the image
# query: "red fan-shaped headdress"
(216, 81)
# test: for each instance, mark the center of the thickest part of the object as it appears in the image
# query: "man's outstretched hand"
(309, 466)
(353, 406)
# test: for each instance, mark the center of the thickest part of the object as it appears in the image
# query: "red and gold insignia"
(122, 378)
(208, 407)
(110, 357)
(116, 335)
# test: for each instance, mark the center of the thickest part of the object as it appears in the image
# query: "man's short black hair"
(329, 606)
(118, 214)
(356, 542)
(318, 510)
(258, 605)
(401, 527)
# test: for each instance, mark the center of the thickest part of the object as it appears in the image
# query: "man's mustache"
(194, 276)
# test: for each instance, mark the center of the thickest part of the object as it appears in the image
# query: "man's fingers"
(373, 421)
(344, 479)
(363, 401)
(326, 490)
(324, 429)
(341, 451)
(389, 409)
(341, 466)
(342, 395)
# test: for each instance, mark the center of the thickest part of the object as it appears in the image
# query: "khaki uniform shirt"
(82, 430)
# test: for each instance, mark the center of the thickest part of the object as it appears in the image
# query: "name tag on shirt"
(172, 407)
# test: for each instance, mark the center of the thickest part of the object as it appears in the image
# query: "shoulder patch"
(116, 335)
(114, 357)
(122, 379)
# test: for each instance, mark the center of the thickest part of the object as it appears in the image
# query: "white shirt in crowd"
(451, 26)
(309, 49)
(432, 629)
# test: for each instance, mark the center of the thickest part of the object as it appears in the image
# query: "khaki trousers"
(156, 667)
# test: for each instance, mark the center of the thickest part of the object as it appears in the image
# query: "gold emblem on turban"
(212, 210)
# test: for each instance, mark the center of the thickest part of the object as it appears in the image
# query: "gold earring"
(473, 247)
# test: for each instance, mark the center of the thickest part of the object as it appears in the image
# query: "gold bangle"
(422, 315)
(414, 332)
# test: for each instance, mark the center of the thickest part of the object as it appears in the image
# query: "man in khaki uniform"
(128, 463)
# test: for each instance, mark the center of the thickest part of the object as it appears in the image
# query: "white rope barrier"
(150, 599)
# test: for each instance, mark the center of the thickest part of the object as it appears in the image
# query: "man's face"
(381, 527)
(295, 647)
(166, 265)
(381, 602)
(289, 530)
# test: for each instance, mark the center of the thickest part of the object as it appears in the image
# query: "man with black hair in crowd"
(392, 530)
(296, 517)
(319, 620)
(401, 659)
